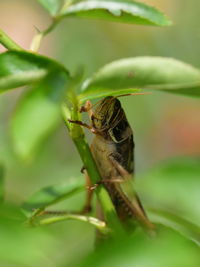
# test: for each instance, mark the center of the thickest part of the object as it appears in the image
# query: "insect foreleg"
(84, 125)
(81, 123)
(87, 108)
(89, 194)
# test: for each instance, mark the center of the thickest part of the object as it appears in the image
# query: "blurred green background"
(165, 126)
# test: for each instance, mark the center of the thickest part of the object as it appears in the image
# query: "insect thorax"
(110, 121)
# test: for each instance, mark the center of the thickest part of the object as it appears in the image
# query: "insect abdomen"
(123, 210)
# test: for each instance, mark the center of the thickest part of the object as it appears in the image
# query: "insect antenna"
(142, 93)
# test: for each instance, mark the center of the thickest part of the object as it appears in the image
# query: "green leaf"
(52, 194)
(174, 186)
(167, 248)
(39, 111)
(37, 115)
(176, 222)
(126, 11)
(10, 212)
(1, 183)
(22, 68)
(52, 6)
(153, 73)
(34, 243)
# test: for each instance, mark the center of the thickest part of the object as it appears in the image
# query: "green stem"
(52, 26)
(66, 5)
(2, 183)
(37, 39)
(8, 43)
(94, 221)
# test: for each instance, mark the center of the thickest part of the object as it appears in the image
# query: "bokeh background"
(165, 125)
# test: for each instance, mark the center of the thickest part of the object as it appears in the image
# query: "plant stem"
(8, 43)
(2, 182)
(94, 221)
(37, 39)
(35, 44)
(67, 4)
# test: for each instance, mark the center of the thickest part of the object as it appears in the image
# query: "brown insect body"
(101, 151)
(112, 148)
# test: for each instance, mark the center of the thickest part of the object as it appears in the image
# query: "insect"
(113, 150)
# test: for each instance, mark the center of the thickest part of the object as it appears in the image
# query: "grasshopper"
(113, 150)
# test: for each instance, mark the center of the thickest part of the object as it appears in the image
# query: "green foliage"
(125, 11)
(34, 207)
(23, 68)
(51, 195)
(167, 249)
(52, 6)
(1, 183)
(176, 222)
(41, 104)
(18, 240)
(152, 73)
(175, 186)
(170, 191)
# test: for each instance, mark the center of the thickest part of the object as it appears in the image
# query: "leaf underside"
(125, 11)
(149, 73)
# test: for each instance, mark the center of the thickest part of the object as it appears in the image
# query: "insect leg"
(83, 125)
(89, 194)
(53, 213)
(87, 108)
(126, 187)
